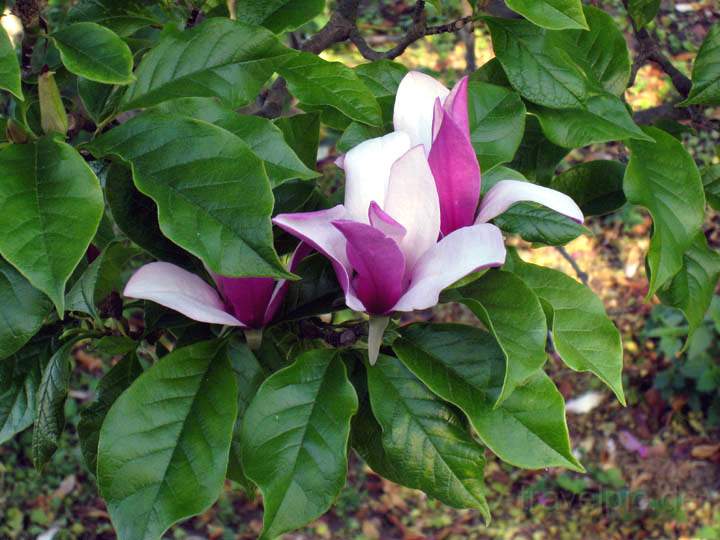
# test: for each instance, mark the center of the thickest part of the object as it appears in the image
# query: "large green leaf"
(512, 313)
(356, 133)
(596, 186)
(9, 66)
(279, 15)
(706, 71)
(643, 11)
(164, 444)
(424, 439)
(294, 440)
(123, 17)
(220, 58)
(663, 178)
(538, 224)
(264, 138)
(537, 158)
(554, 14)
(693, 287)
(50, 207)
(302, 133)
(23, 310)
(583, 336)
(50, 411)
(19, 381)
(212, 192)
(497, 123)
(465, 366)
(110, 387)
(711, 184)
(383, 79)
(95, 53)
(98, 99)
(319, 83)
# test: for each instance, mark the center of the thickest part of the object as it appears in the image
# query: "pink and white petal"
(505, 193)
(246, 298)
(454, 257)
(456, 105)
(384, 222)
(414, 104)
(412, 200)
(378, 265)
(316, 230)
(456, 171)
(281, 287)
(367, 171)
(179, 290)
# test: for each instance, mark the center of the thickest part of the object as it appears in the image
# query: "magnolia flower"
(246, 302)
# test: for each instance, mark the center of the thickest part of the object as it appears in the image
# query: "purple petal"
(505, 193)
(456, 105)
(414, 103)
(412, 200)
(316, 229)
(246, 298)
(384, 222)
(457, 173)
(180, 290)
(278, 295)
(454, 257)
(378, 264)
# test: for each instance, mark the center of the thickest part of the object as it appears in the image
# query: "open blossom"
(247, 302)
(410, 225)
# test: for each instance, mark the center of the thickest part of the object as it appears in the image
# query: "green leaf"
(220, 58)
(50, 207)
(605, 118)
(315, 293)
(511, 311)
(164, 444)
(279, 15)
(95, 53)
(9, 66)
(643, 11)
(491, 72)
(489, 179)
(212, 193)
(260, 134)
(711, 183)
(98, 99)
(383, 79)
(663, 178)
(425, 440)
(302, 133)
(317, 83)
(583, 336)
(294, 440)
(50, 412)
(465, 366)
(19, 381)
(706, 71)
(124, 17)
(101, 278)
(536, 223)
(692, 288)
(110, 387)
(537, 158)
(357, 133)
(23, 309)
(497, 123)
(596, 186)
(553, 14)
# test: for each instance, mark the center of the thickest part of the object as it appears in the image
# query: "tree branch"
(575, 266)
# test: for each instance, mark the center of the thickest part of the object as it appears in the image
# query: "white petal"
(414, 104)
(505, 193)
(367, 171)
(412, 200)
(180, 290)
(458, 254)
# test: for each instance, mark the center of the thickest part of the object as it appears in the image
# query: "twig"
(578, 271)
(336, 336)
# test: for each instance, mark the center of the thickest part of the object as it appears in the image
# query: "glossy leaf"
(706, 71)
(424, 439)
(554, 14)
(50, 207)
(212, 193)
(315, 293)
(294, 440)
(356, 133)
(9, 66)
(123, 17)
(164, 444)
(536, 158)
(279, 15)
(19, 381)
(220, 58)
(302, 133)
(497, 123)
(663, 178)
(23, 310)
(711, 184)
(536, 223)
(50, 411)
(465, 366)
(583, 336)
(496, 299)
(98, 99)
(318, 83)
(643, 11)
(497, 174)
(94, 52)
(110, 387)
(596, 186)
(383, 78)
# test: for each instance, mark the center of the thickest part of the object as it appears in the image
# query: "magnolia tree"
(160, 205)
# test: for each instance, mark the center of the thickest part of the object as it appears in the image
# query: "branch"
(575, 266)
(335, 336)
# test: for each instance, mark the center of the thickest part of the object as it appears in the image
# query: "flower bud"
(53, 117)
